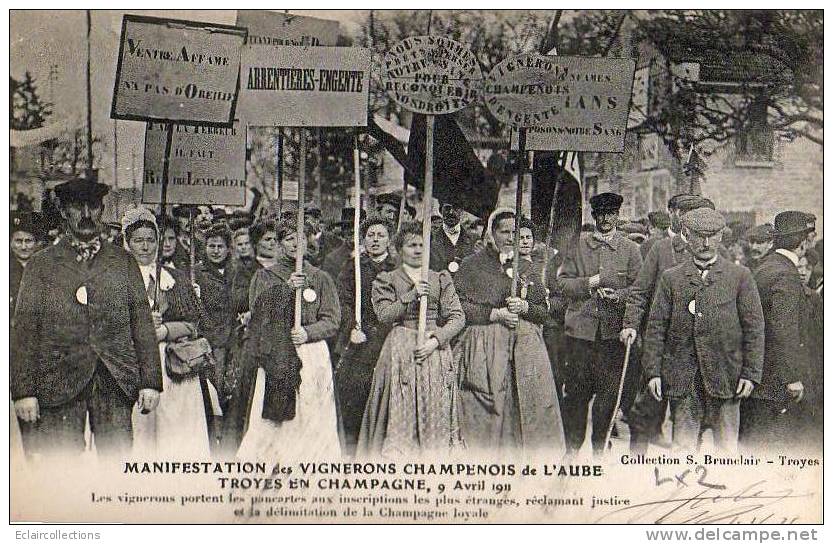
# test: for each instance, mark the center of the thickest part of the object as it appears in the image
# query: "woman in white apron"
(304, 424)
(178, 425)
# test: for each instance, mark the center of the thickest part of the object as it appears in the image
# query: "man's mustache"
(86, 223)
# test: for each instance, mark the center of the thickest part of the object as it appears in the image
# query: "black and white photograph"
(417, 266)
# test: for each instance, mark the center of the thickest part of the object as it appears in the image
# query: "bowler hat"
(793, 222)
(388, 198)
(704, 221)
(81, 190)
(606, 202)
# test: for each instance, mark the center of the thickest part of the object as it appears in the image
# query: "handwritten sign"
(304, 86)
(566, 103)
(207, 165)
(270, 28)
(181, 71)
(431, 75)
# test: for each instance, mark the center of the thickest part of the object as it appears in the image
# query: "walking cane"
(619, 393)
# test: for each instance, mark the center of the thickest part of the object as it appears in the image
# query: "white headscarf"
(488, 238)
(132, 216)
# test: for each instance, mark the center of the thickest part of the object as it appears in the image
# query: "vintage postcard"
(416, 267)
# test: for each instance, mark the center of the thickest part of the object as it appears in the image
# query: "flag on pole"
(460, 178)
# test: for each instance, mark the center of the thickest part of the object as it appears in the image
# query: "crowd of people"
(679, 316)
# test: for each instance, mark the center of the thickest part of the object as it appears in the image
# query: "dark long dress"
(354, 373)
(507, 393)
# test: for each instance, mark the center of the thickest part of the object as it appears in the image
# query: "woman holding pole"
(507, 394)
(361, 334)
(312, 431)
(412, 407)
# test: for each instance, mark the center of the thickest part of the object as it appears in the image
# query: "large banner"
(207, 165)
(180, 71)
(565, 103)
(271, 28)
(305, 86)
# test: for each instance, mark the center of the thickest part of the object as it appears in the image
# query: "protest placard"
(179, 71)
(431, 75)
(271, 28)
(304, 86)
(207, 165)
(565, 103)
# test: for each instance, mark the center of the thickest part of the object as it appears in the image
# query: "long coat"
(57, 340)
(723, 338)
(15, 275)
(617, 264)
(785, 357)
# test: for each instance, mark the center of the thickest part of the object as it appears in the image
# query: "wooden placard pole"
(192, 249)
(357, 214)
(300, 236)
(427, 205)
(279, 171)
(551, 222)
(163, 203)
(401, 217)
(519, 191)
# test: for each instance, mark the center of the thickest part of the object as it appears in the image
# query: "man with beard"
(768, 416)
(596, 278)
(83, 341)
(704, 343)
(760, 242)
(23, 238)
(387, 206)
(647, 415)
(339, 257)
(451, 244)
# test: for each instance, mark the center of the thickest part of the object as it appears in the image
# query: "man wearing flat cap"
(595, 280)
(760, 243)
(767, 417)
(647, 415)
(83, 341)
(704, 342)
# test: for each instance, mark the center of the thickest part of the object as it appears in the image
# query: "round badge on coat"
(692, 308)
(309, 295)
(453, 267)
(81, 295)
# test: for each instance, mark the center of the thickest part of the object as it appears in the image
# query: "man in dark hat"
(767, 418)
(704, 343)
(658, 224)
(595, 279)
(760, 242)
(387, 206)
(24, 233)
(452, 243)
(83, 340)
(647, 415)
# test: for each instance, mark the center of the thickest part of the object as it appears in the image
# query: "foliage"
(26, 109)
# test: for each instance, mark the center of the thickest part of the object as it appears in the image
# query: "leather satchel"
(187, 356)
